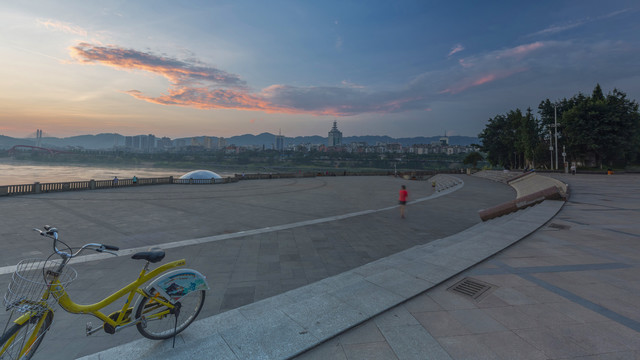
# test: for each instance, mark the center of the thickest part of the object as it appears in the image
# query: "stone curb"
(550, 193)
(288, 324)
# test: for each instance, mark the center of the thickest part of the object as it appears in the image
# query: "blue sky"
(224, 68)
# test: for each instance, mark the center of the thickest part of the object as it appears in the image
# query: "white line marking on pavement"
(124, 252)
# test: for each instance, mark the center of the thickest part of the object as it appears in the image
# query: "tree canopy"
(473, 158)
(595, 130)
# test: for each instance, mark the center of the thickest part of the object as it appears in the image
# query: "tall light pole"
(551, 148)
(555, 119)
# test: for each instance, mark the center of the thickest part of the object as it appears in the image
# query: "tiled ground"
(571, 290)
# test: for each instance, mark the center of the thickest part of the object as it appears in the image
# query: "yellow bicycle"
(164, 307)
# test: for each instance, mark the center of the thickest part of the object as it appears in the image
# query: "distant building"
(444, 141)
(165, 143)
(135, 144)
(335, 135)
(151, 142)
(208, 142)
(280, 142)
(222, 143)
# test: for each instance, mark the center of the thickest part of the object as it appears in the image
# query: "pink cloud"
(456, 49)
(62, 26)
(480, 80)
(520, 51)
(176, 71)
(464, 63)
(205, 87)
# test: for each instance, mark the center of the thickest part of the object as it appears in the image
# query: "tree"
(495, 141)
(603, 129)
(473, 158)
(512, 140)
(529, 135)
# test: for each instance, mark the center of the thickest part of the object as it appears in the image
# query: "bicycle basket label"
(179, 285)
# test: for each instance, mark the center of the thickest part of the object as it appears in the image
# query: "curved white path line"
(170, 245)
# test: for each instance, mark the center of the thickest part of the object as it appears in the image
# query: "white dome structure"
(201, 175)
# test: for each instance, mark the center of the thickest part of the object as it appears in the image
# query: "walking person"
(404, 194)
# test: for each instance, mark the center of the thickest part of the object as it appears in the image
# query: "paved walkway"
(570, 290)
(252, 239)
(287, 324)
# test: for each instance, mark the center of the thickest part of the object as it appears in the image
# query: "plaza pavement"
(253, 239)
(568, 289)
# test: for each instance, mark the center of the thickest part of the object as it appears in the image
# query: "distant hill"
(109, 141)
(7, 142)
(100, 141)
(94, 142)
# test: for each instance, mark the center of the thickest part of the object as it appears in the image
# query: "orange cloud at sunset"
(205, 87)
(481, 80)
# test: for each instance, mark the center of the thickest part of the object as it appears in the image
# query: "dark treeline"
(595, 130)
(250, 159)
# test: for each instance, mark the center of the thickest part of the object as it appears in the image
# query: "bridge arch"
(50, 151)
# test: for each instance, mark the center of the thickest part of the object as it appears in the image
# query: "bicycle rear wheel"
(162, 322)
(24, 339)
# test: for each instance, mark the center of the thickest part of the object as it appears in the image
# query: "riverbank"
(20, 172)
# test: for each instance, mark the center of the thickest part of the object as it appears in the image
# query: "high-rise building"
(335, 135)
(165, 143)
(151, 142)
(208, 142)
(280, 142)
(222, 143)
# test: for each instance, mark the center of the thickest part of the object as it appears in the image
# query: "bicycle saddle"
(152, 256)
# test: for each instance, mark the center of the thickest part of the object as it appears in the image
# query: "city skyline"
(403, 69)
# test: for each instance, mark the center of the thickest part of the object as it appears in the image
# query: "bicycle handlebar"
(52, 233)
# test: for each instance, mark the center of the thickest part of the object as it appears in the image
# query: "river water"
(14, 173)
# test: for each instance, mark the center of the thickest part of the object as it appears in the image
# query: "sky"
(225, 68)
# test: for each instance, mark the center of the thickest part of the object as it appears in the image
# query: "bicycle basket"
(30, 283)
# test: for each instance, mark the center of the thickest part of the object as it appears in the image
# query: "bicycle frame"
(37, 283)
(94, 309)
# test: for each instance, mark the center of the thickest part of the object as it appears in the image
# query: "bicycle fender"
(178, 283)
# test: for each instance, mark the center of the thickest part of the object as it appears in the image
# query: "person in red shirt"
(404, 194)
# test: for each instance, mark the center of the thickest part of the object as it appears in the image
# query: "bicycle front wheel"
(22, 341)
(162, 322)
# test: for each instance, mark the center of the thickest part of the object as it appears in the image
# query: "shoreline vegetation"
(248, 161)
(105, 165)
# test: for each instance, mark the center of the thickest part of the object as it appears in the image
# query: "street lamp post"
(555, 125)
(551, 148)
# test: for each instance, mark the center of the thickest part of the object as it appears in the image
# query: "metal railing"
(37, 187)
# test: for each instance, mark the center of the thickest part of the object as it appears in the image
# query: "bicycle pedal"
(89, 328)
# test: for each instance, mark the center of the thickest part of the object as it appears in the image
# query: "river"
(14, 173)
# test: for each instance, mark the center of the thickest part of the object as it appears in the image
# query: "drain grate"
(472, 288)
